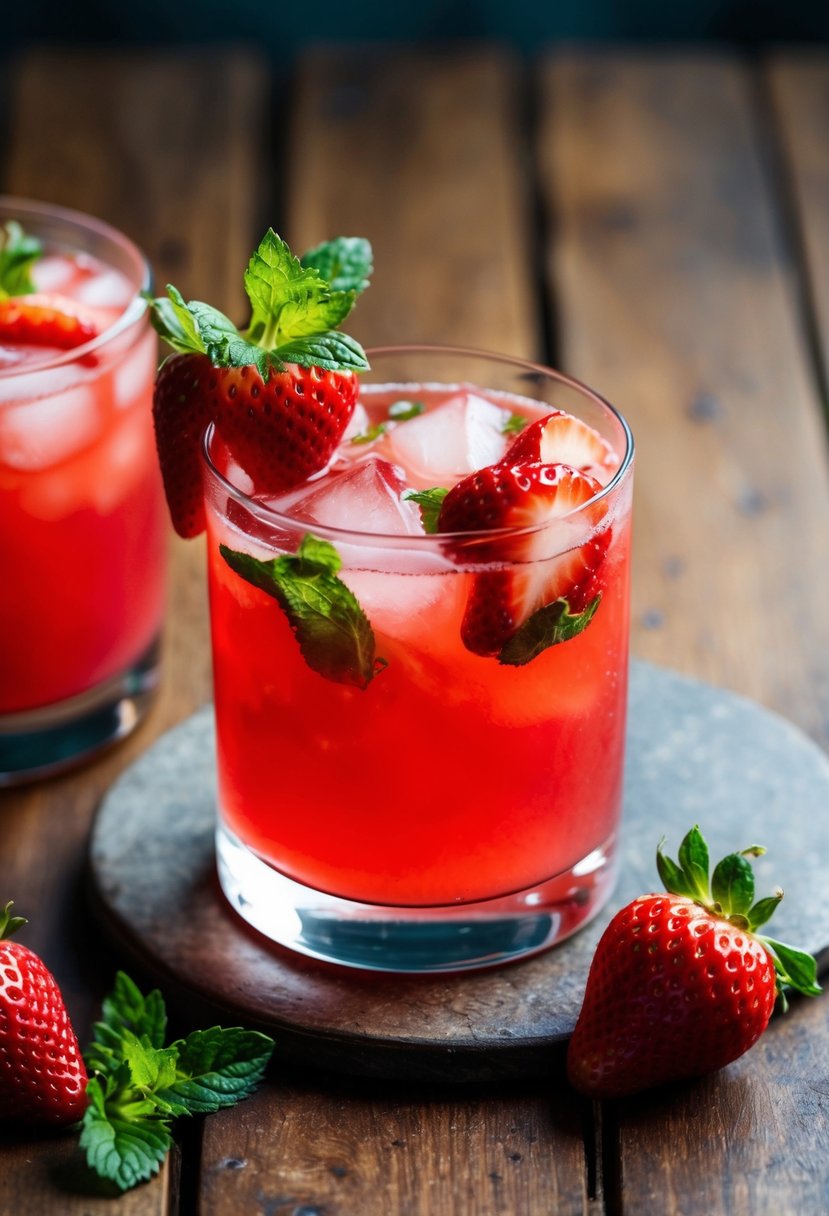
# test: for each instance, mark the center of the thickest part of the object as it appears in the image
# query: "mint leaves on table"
(548, 626)
(296, 306)
(333, 632)
(430, 502)
(138, 1086)
(18, 253)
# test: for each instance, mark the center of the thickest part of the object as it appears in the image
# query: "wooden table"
(656, 224)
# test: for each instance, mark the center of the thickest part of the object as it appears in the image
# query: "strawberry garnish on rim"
(280, 393)
(547, 588)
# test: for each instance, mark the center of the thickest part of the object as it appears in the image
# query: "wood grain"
(377, 1153)
(673, 298)
(799, 89)
(123, 137)
(433, 176)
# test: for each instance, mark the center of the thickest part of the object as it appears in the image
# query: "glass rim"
(12, 207)
(282, 520)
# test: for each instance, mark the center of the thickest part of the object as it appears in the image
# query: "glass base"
(376, 938)
(43, 742)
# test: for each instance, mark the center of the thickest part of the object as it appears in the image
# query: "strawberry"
(539, 570)
(42, 1073)
(286, 428)
(560, 438)
(681, 984)
(181, 414)
(280, 393)
(44, 321)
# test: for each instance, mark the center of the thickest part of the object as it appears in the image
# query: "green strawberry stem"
(10, 924)
(729, 894)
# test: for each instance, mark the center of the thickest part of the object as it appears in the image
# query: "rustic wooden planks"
(123, 137)
(669, 258)
(669, 267)
(799, 88)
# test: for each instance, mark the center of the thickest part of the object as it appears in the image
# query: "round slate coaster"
(695, 755)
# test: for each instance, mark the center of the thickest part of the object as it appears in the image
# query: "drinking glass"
(458, 811)
(83, 535)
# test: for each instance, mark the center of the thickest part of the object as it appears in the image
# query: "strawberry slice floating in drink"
(541, 572)
(562, 439)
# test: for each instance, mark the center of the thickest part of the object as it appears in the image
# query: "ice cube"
(134, 375)
(38, 434)
(53, 273)
(108, 289)
(463, 434)
(363, 498)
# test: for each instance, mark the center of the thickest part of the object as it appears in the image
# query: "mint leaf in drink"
(217, 1068)
(18, 253)
(514, 425)
(295, 311)
(375, 431)
(401, 411)
(139, 1086)
(548, 626)
(345, 262)
(430, 502)
(333, 632)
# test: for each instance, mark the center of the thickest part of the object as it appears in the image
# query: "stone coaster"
(695, 755)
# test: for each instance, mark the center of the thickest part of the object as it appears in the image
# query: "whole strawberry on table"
(682, 983)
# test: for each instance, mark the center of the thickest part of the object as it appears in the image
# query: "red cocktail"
(82, 547)
(456, 800)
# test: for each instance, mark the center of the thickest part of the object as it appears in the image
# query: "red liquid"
(82, 544)
(451, 778)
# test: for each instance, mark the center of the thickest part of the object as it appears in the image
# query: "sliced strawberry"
(45, 321)
(539, 567)
(560, 438)
(181, 413)
(286, 428)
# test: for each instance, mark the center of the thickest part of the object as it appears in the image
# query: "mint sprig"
(296, 307)
(514, 425)
(18, 253)
(333, 632)
(430, 502)
(138, 1086)
(548, 626)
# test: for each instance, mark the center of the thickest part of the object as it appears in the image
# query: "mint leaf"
(401, 411)
(18, 253)
(514, 425)
(217, 1068)
(175, 323)
(376, 431)
(549, 626)
(126, 1151)
(126, 1008)
(345, 262)
(430, 502)
(288, 300)
(333, 632)
(332, 351)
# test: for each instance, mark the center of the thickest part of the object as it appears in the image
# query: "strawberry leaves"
(333, 632)
(296, 306)
(140, 1086)
(18, 253)
(731, 897)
